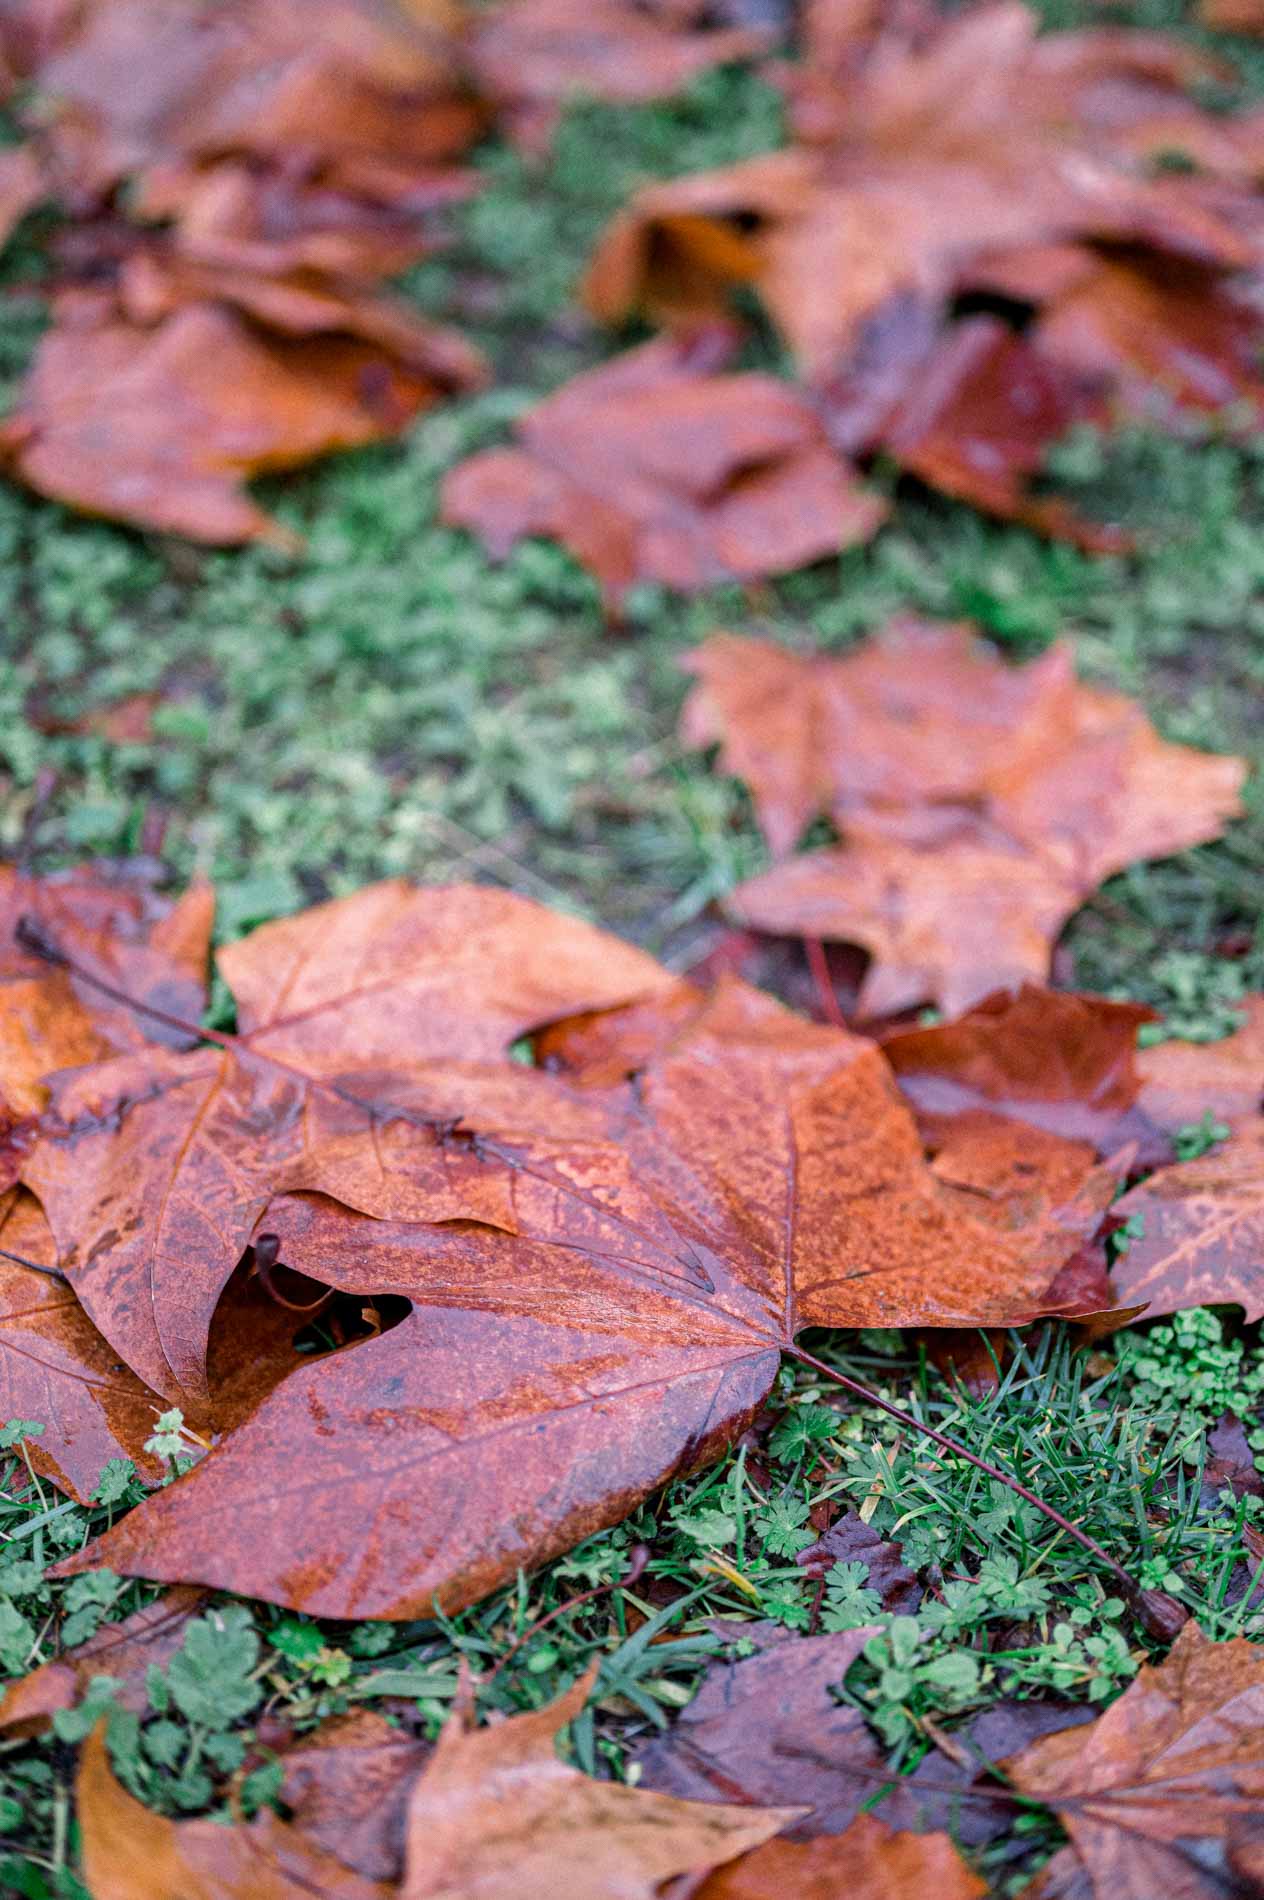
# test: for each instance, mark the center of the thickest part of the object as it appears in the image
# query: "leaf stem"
(1158, 1613)
(826, 994)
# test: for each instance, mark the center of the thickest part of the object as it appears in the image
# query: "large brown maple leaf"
(758, 1175)
(369, 1026)
(980, 804)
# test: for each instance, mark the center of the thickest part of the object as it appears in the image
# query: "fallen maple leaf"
(600, 469)
(1183, 1081)
(533, 58)
(980, 805)
(1150, 1795)
(496, 1816)
(131, 1853)
(1199, 1238)
(983, 137)
(151, 400)
(356, 1019)
(760, 1176)
(871, 1861)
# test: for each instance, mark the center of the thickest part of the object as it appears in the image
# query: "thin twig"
(1159, 1613)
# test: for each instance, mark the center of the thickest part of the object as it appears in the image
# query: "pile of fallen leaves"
(979, 238)
(562, 1214)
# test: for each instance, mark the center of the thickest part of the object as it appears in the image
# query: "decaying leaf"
(759, 1175)
(496, 1816)
(347, 1785)
(1201, 1238)
(1154, 1795)
(871, 1861)
(980, 805)
(123, 1651)
(346, 1014)
(600, 468)
(532, 57)
(131, 1853)
(1183, 1081)
(851, 1541)
(769, 1723)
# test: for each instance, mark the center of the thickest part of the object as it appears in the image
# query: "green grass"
(391, 703)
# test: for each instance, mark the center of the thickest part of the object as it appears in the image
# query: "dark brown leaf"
(125, 1651)
(851, 1541)
(769, 1723)
(347, 1786)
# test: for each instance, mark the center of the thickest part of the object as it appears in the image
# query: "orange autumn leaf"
(871, 1861)
(165, 424)
(979, 804)
(131, 1853)
(364, 1024)
(496, 1816)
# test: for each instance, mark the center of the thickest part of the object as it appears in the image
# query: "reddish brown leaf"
(532, 57)
(131, 1853)
(980, 420)
(758, 1176)
(599, 468)
(1152, 1794)
(970, 838)
(1169, 340)
(768, 1724)
(125, 1651)
(1183, 1081)
(1202, 1233)
(157, 1160)
(1050, 1059)
(496, 1816)
(869, 1862)
(980, 138)
(1230, 1461)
